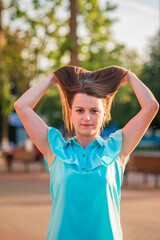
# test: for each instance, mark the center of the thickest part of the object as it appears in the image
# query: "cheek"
(75, 118)
(97, 119)
(100, 119)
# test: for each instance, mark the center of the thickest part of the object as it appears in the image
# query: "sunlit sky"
(138, 20)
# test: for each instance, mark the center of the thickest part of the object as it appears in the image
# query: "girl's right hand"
(53, 78)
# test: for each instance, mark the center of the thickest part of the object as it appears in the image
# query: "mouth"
(86, 125)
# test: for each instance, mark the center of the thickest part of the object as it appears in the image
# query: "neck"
(83, 140)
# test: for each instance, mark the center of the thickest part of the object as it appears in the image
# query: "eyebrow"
(82, 107)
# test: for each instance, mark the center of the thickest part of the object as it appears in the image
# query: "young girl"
(86, 172)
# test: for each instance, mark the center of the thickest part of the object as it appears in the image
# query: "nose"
(87, 116)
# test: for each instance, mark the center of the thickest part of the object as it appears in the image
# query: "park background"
(39, 36)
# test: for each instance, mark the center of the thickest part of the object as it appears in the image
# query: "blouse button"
(83, 155)
(94, 141)
(83, 168)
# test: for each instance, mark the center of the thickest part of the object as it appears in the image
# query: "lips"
(86, 125)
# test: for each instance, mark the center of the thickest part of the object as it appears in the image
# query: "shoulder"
(55, 137)
(114, 141)
(56, 142)
(113, 146)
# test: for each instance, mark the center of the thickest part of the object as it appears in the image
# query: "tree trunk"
(72, 34)
(5, 141)
(0, 35)
(5, 118)
(0, 15)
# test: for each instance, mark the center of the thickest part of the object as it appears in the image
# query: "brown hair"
(102, 83)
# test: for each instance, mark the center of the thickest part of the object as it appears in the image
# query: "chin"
(87, 132)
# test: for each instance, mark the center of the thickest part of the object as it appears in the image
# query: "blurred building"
(17, 132)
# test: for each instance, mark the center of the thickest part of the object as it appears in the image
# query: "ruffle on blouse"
(57, 144)
(110, 149)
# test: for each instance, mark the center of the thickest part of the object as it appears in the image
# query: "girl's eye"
(95, 111)
(79, 110)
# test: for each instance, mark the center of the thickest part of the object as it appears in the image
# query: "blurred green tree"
(56, 33)
(10, 58)
(11, 47)
(150, 73)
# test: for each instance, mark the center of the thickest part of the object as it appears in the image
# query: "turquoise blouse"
(85, 187)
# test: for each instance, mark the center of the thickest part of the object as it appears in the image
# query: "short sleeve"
(113, 147)
(56, 142)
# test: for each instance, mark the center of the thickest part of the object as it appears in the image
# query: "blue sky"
(138, 21)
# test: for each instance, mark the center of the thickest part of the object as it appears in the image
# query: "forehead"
(84, 100)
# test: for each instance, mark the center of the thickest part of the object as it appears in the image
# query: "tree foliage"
(150, 74)
(40, 32)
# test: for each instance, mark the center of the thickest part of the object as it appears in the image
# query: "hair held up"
(102, 83)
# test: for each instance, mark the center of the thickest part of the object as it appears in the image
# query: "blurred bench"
(147, 162)
(20, 154)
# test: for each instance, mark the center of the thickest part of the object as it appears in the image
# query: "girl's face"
(87, 114)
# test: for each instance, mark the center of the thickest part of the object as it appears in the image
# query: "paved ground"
(25, 206)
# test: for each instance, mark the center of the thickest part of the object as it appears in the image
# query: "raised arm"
(135, 129)
(33, 124)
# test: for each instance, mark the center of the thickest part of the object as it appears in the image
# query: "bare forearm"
(32, 96)
(143, 93)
